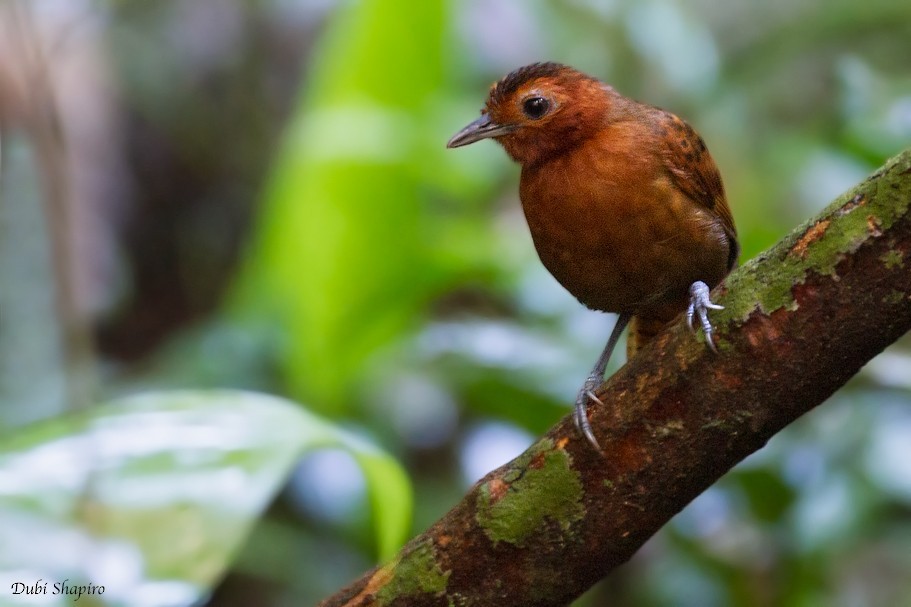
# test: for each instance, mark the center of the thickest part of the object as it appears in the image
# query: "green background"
(257, 196)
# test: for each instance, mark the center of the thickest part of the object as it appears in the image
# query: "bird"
(625, 205)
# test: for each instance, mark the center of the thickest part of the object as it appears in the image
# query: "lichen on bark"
(542, 485)
(414, 573)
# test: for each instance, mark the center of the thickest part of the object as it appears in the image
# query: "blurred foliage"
(166, 485)
(343, 188)
(290, 222)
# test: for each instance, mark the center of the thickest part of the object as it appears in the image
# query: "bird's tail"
(641, 331)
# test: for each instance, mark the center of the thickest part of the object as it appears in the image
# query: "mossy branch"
(799, 321)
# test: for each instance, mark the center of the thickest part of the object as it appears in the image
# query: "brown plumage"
(624, 202)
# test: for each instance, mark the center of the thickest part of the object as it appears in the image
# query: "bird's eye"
(535, 107)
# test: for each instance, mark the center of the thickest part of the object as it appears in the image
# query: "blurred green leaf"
(151, 496)
(768, 495)
(339, 259)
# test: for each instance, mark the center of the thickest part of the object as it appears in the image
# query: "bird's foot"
(580, 413)
(700, 304)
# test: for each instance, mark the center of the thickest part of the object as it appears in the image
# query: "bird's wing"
(694, 172)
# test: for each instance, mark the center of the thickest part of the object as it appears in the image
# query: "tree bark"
(799, 321)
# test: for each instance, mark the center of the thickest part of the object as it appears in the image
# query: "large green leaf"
(151, 496)
(339, 260)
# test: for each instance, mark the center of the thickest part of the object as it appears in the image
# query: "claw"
(580, 417)
(700, 304)
(580, 414)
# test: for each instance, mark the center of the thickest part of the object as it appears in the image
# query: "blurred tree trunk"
(800, 320)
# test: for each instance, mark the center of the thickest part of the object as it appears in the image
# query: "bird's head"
(538, 111)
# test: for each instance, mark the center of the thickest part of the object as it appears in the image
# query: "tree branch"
(800, 320)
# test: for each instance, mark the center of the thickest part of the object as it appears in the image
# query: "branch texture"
(799, 321)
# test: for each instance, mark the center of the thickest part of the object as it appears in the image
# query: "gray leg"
(700, 304)
(594, 380)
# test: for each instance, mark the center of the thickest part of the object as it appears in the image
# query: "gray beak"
(482, 128)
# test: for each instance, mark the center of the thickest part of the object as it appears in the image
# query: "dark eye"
(535, 107)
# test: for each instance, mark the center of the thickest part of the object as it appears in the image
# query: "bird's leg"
(594, 380)
(700, 304)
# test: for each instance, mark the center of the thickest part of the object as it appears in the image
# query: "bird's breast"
(616, 233)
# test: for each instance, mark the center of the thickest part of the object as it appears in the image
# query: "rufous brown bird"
(624, 202)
